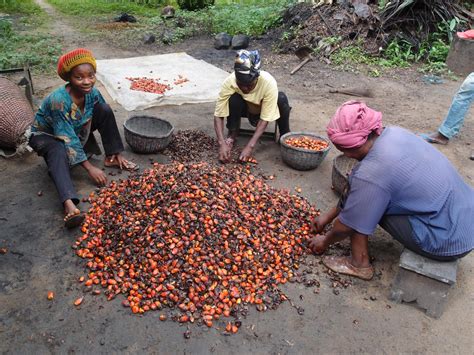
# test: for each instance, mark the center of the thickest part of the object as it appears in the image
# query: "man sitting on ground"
(252, 93)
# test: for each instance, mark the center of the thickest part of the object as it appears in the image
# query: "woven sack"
(16, 114)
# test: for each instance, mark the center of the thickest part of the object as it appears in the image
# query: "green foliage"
(246, 19)
(352, 55)
(6, 29)
(18, 48)
(100, 7)
(240, 16)
(27, 12)
(19, 6)
(382, 3)
(400, 53)
(193, 5)
(433, 52)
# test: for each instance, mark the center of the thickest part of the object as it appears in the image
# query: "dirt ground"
(357, 319)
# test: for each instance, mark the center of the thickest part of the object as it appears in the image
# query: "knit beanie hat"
(72, 59)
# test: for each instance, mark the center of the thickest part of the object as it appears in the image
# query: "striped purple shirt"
(404, 175)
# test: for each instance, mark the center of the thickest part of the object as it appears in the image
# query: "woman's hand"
(318, 244)
(318, 224)
(97, 175)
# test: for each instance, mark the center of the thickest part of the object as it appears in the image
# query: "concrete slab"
(460, 56)
(438, 270)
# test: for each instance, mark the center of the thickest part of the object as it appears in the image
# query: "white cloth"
(204, 82)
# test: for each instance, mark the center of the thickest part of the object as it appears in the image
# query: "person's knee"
(282, 97)
(283, 101)
(58, 150)
(37, 144)
(236, 101)
(48, 147)
(103, 108)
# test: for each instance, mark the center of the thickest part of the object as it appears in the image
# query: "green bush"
(246, 19)
(19, 6)
(17, 48)
(93, 8)
(5, 29)
(193, 5)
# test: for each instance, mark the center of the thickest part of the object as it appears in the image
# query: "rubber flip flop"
(74, 220)
(432, 140)
(342, 265)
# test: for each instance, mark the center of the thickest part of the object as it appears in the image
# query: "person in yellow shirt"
(252, 93)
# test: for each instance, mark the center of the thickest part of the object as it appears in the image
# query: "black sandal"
(74, 220)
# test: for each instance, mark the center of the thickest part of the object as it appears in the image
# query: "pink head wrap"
(352, 124)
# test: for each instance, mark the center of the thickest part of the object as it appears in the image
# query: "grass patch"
(27, 13)
(18, 47)
(251, 17)
(27, 7)
(93, 8)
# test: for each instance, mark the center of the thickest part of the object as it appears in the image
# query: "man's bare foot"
(435, 138)
(230, 142)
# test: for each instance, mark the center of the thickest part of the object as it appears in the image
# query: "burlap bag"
(16, 115)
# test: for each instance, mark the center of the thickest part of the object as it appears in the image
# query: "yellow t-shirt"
(261, 100)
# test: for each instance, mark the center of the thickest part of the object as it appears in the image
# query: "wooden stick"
(326, 23)
(299, 66)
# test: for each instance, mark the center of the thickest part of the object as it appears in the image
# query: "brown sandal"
(342, 265)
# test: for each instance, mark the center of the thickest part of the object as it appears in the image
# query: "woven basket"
(147, 134)
(341, 168)
(16, 114)
(301, 158)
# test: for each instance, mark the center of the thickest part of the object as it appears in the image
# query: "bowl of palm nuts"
(303, 150)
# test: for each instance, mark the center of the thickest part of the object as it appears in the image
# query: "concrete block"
(439, 270)
(424, 281)
(460, 56)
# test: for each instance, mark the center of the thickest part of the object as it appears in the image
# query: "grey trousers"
(399, 227)
(238, 109)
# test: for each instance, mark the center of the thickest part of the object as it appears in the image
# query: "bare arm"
(320, 222)
(224, 148)
(338, 232)
(219, 128)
